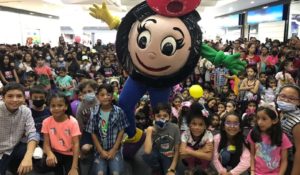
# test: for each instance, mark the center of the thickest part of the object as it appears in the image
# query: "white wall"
(273, 30)
(16, 27)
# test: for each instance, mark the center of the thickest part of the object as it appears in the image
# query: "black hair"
(92, 83)
(183, 114)
(239, 140)
(141, 12)
(162, 107)
(274, 132)
(38, 90)
(13, 86)
(283, 65)
(107, 87)
(63, 69)
(196, 112)
(65, 99)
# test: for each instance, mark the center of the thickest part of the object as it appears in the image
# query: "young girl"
(61, 138)
(182, 119)
(214, 125)
(176, 106)
(288, 101)
(7, 71)
(65, 82)
(284, 77)
(230, 106)
(269, 94)
(231, 157)
(196, 146)
(252, 58)
(221, 109)
(250, 85)
(268, 145)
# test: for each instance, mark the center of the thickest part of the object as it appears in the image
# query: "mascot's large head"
(159, 44)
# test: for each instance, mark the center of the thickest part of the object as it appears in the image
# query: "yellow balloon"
(196, 91)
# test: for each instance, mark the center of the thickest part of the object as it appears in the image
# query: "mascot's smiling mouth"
(151, 68)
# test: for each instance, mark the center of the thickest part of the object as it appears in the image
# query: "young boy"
(107, 128)
(87, 91)
(44, 73)
(16, 121)
(162, 142)
(65, 82)
(39, 109)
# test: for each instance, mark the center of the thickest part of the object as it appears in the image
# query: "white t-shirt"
(186, 137)
(282, 80)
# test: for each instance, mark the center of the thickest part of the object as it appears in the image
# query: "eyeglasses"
(288, 98)
(232, 124)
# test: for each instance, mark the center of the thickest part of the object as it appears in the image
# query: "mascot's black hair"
(139, 13)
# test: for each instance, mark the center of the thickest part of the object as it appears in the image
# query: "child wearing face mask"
(162, 141)
(87, 90)
(288, 102)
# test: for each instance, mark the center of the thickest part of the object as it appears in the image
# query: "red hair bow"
(173, 8)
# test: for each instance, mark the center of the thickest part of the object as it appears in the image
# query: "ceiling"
(55, 7)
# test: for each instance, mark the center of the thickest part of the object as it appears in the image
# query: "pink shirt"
(61, 133)
(267, 157)
(240, 168)
(271, 60)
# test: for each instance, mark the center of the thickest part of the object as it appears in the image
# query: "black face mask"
(38, 103)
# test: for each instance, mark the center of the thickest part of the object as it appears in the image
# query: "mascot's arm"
(104, 14)
(231, 62)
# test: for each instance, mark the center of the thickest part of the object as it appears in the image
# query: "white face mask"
(286, 107)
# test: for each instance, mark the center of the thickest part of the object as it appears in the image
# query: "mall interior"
(150, 87)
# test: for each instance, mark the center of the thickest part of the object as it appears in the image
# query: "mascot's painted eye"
(144, 39)
(169, 45)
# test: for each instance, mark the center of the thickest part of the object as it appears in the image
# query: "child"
(214, 125)
(176, 106)
(268, 145)
(182, 119)
(248, 116)
(16, 122)
(284, 77)
(64, 82)
(7, 71)
(230, 153)
(230, 106)
(38, 108)
(288, 102)
(44, 73)
(196, 146)
(162, 141)
(107, 126)
(87, 90)
(61, 137)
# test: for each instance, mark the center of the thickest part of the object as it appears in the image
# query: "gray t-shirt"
(165, 139)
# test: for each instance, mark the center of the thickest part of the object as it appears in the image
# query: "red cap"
(173, 8)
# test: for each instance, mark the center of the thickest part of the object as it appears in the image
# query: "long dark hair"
(239, 140)
(274, 132)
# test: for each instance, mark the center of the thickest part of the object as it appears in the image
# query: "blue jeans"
(102, 166)
(13, 160)
(157, 161)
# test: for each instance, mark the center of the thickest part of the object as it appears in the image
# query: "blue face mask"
(286, 107)
(89, 96)
(161, 123)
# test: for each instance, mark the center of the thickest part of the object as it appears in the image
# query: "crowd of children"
(63, 102)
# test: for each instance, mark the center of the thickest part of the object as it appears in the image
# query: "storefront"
(266, 22)
(294, 18)
(229, 27)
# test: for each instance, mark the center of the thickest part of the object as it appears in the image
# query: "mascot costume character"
(159, 43)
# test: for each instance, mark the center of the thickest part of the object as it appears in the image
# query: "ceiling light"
(265, 7)
(31, 13)
(231, 9)
(50, 16)
(252, 2)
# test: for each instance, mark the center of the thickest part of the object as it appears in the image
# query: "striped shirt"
(116, 122)
(289, 121)
(14, 126)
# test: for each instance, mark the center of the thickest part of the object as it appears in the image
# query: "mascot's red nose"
(173, 8)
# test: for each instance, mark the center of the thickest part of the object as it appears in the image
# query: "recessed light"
(50, 16)
(265, 7)
(252, 2)
(31, 13)
(231, 9)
